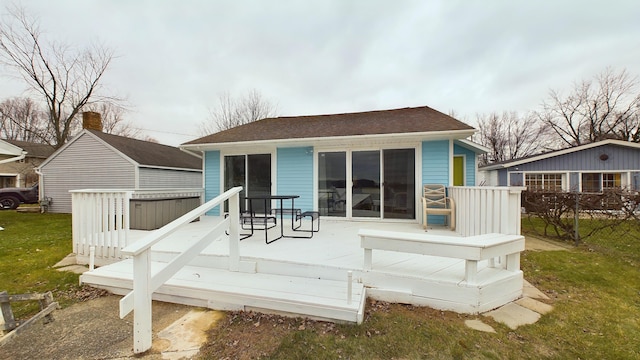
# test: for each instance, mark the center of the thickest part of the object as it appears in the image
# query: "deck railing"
(487, 209)
(145, 283)
(101, 219)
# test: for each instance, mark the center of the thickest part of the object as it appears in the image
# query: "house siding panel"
(295, 175)
(574, 181)
(168, 179)
(212, 184)
(435, 168)
(86, 163)
(435, 162)
(469, 165)
(589, 160)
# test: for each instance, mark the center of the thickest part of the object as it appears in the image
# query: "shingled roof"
(35, 150)
(405, 120)
(150, 154)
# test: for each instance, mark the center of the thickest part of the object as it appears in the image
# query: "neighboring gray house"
(586, 168)
(18, 161)
(95, 160)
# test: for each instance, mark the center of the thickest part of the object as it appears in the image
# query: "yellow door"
(458, 171)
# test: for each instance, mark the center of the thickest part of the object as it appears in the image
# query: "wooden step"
(226, 290)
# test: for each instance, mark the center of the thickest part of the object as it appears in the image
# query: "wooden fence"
(487, 209)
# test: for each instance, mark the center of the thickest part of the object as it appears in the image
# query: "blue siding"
(435, 162)
(619, 158)
(635, 180)
(502, 177)
(517, 179)
(435, 168)
(574, 181)
(295, 175)
(469, 165)
(212, 178)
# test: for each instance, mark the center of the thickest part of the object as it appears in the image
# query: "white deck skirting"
(308, 277)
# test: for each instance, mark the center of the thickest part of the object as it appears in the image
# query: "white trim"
(7, 148)
(562, 152)
(352, 140)
(451, 152)
(470, 145)
(169, 168)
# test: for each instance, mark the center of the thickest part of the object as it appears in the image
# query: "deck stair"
(226, 290)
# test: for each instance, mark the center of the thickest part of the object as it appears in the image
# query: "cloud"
(318, 57)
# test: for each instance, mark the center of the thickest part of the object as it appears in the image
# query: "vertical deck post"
(349, 286)
(234, 237)
(471, 271)
(142, 302)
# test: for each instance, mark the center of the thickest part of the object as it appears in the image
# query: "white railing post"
(142, 302)
(349, 286)
(144, 284)
(234, 232)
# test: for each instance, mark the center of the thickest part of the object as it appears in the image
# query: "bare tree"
(21, 119)
(606, 107)
(64, 78)
(232, 112)
(510, 136)
(113, 119)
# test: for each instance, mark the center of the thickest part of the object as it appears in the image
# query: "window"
(598, 182)
(611, 181)
(543, 182)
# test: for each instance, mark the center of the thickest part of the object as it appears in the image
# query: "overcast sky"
(175, 58)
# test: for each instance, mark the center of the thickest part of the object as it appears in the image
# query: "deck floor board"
(311, 272)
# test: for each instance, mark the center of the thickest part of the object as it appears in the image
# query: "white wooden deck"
(308, 277)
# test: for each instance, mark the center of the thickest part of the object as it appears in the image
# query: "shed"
(94, 159)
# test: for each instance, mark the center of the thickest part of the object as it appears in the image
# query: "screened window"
(598, 182)
(611, 181)
(543, 182)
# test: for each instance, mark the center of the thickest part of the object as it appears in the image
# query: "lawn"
(30, 245)
(595, 289)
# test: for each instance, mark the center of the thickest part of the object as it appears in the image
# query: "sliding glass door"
(365, 179)
(399, 183)
(381, 184)
(332, 183)
(253, 173)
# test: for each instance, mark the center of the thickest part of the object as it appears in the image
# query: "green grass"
(30, 245)
(594, 288)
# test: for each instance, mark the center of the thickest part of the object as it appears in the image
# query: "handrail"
(148, 241)
(145, 283)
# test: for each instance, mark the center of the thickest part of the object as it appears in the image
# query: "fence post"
(576, 233)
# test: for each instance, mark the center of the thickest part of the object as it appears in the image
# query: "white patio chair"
(436, 202)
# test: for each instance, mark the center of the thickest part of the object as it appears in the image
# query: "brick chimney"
(91, 120)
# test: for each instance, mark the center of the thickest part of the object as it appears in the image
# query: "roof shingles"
(151, 154)
(405, 120)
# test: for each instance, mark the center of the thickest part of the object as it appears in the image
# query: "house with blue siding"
(595, 167)
(365, 165)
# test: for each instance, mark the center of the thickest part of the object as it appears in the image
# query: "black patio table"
(267, 199)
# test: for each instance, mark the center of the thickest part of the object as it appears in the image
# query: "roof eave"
(430, 135)
(168, 168)
(561, 152)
